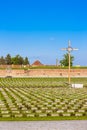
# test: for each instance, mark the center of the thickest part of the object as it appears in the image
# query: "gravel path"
(43, 125)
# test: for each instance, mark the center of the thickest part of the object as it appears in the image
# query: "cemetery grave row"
(42, 102)
(39, 82)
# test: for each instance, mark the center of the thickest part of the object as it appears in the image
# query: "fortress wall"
(12, 72)
(44, 72)
(57, 72)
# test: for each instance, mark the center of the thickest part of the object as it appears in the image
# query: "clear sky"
(40, 28)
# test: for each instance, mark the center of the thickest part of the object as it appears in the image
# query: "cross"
(69, 49)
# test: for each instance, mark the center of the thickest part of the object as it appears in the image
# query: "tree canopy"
(65, 60)
(16, 60)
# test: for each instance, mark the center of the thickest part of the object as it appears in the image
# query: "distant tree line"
(16, 60)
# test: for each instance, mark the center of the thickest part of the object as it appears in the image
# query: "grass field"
(42, 99)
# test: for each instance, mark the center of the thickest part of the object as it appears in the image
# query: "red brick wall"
(57, 72)
(11, 72)
(45, 72)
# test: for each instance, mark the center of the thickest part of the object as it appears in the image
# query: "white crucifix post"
(69, 49)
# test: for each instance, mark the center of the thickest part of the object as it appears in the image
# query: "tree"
(8, 59)
(17, 60)
(65, 60)
(2, 60)
(21, 60)
(26, 62)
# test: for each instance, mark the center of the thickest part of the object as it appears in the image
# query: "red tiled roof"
(37, 63)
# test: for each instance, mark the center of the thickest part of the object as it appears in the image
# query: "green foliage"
(16, 60)
(65, 60)
(26, 62)
(8, 59)
(2, 60)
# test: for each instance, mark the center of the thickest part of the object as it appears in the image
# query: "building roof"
(37, 63)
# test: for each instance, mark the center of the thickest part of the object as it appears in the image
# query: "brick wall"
(57, 72)
(45, 72)
(12, 72)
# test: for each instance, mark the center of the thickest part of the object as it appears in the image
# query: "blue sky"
(40, 28)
